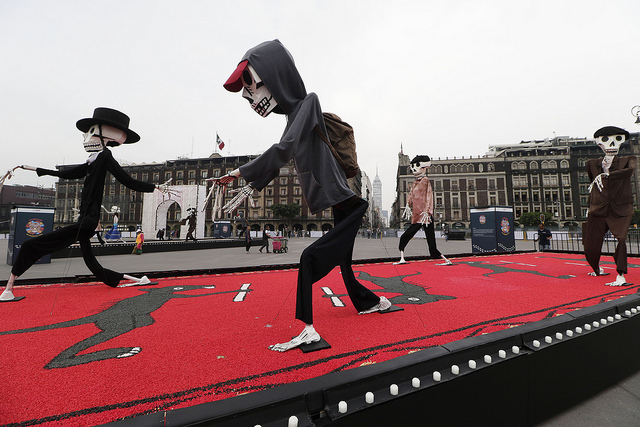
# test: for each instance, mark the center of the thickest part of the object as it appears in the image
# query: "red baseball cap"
(234, 83)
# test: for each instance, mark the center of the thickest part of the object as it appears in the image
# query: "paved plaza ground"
(235, 257)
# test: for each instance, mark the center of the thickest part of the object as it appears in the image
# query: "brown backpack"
(341, 142)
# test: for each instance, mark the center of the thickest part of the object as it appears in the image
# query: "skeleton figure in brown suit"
(610, 201)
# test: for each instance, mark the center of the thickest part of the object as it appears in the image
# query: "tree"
(533, 218)
(288, 212)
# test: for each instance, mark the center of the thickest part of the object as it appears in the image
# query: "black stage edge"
(518, 377)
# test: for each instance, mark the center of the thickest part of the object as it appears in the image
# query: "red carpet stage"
(86, 354)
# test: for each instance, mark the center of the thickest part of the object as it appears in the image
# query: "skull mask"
(99, 136)
(257, 93)
(419, 166)
(610, 144)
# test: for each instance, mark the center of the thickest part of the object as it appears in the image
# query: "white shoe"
(400, 262)
(383, 305)
(305, 337)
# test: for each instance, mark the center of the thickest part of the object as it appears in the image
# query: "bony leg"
(620, 281)
(7, 294)
(402, 261)
(144, 280)
(446, 261)
(307, 336)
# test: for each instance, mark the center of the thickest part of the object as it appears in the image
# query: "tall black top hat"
(108, 116)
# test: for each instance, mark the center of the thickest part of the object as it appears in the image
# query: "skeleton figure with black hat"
(269, 80)
(419, 210)
(610, 201)
(107, 128)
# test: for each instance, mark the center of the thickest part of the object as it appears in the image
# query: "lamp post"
(635, 112)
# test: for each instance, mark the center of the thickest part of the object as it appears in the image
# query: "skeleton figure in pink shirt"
(419, 209)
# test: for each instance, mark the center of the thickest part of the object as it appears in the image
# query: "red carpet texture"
(86, 354)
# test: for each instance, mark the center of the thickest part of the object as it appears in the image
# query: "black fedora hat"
(111, 117)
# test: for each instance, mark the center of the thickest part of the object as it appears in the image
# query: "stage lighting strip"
(455, 370)
(416, 383)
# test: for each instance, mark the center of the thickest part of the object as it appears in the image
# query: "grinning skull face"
(99, 136)
(610, 144)
(257, 93)
(420, 169)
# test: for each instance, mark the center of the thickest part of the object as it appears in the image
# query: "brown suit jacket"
(616, 196)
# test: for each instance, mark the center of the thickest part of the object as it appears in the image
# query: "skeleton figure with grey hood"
(269, 80)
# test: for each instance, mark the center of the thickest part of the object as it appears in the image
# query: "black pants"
(99, 236)
(593, 233)
(430, 233)
(34, 249)
(333, 249)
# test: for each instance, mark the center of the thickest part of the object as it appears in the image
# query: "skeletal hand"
(243, 193)
(406, 213)
(425, 218)
(598, 182)
(9, 175)
(165, 189)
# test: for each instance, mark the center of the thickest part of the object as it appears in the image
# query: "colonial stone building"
(285, 189)
(532, 176)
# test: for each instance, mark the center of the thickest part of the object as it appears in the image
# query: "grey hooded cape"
(323, 181)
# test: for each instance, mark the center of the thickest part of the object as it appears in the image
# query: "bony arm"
(226, 179)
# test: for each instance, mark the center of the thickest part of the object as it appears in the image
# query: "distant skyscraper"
(377, 191)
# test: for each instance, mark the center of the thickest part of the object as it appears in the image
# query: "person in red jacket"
(610, 201)
(107, 127)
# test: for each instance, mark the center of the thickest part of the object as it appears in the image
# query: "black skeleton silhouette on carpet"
(410, 293)
(122, 317)
(502, 268)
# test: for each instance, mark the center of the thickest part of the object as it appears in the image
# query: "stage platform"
(511, 339)
(124, 247)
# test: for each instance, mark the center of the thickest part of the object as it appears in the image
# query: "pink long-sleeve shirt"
(420, 199)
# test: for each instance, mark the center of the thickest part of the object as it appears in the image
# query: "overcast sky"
(442, 78)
